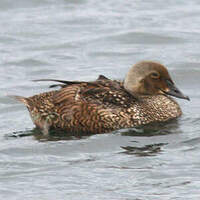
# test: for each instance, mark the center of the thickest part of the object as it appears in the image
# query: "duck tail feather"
(20, 99)
(60, 81)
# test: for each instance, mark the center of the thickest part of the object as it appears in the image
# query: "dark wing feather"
(66, 83)
(108, 93)
(102, 77)
(60, 81)
(103, 91)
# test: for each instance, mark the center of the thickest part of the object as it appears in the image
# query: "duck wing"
(110, 96)
(65, 83)
(102, 77)
(103, 91)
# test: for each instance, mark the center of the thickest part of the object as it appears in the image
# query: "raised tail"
(20, 99)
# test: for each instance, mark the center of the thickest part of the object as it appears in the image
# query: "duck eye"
(155, 75)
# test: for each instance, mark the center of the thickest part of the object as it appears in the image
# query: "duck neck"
(134, 87)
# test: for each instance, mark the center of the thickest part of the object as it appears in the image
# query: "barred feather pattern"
(97, 107)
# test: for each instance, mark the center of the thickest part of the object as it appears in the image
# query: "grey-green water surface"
(78, 40)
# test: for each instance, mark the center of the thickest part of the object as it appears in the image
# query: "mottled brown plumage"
(105, 105)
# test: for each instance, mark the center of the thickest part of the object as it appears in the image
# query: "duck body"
(97, 107)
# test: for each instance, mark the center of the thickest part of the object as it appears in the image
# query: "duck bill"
(172, 90)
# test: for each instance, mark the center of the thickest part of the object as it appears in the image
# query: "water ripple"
(78, 40)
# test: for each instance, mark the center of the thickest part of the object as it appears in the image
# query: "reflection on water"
(19, 134)
(170, 127)
(56, 136)
(154, 129)
(38, 135)
(78, 40)
(147, 150)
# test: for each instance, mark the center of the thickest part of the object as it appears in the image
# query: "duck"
(144, 97)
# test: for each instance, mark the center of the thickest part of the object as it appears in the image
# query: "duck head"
(151, 78)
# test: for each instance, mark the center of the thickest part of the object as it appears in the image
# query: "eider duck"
(105, 105)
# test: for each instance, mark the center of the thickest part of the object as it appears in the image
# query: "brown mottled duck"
(105, 105)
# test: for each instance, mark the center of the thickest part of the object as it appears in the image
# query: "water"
(78, 40)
